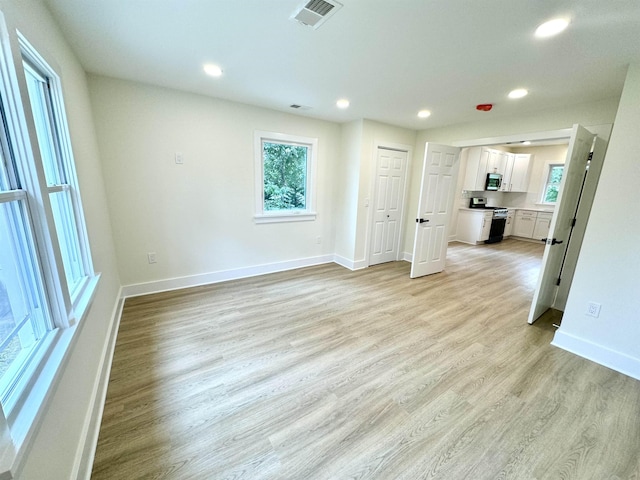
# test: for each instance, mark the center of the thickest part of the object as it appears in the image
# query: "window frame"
(548, 183)
(73, 299)
(277, 216)
(21, 412)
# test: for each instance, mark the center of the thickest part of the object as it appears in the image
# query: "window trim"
(547, 182)
(61, 124)
(280, 216)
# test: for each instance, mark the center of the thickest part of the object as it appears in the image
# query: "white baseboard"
(407, 257)
(617, 361)
(360, 264)
(91, 429)
(344, 262)
(137, 289)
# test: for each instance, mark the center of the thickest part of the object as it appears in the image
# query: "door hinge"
(573, 222)
(558, 281)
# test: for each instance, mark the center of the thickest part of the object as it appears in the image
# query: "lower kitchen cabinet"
(473, 226)
(543, 222)
(525, 223)
(532, 224)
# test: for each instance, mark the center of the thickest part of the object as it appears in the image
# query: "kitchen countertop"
(531, 209)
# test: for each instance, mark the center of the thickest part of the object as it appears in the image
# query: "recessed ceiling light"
(343, 103)
(213, 70)
(424, 113)
(526, 142)
(551, 28)
(518, 93)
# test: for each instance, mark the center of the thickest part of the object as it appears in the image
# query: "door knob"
(421, 220)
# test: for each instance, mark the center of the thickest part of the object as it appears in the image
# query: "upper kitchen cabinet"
(497, 162)
(516, 176)
(477, 162)
(514, 168)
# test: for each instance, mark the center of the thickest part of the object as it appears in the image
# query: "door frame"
(408, 149)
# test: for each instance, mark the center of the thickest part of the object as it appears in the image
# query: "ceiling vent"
(315, 12)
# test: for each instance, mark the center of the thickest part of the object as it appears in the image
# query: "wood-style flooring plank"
(323, 373)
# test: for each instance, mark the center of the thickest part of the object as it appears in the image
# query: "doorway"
(550, 263)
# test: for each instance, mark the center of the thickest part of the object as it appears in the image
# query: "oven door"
(497, 230)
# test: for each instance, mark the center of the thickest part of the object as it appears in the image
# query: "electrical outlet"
(179, 158)
(319, 240)
(151, 257)
(593, 309)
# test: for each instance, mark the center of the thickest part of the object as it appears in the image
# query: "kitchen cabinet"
(519, 181)
(517, 171)
(475, 175)
(525, 223)
(473, 225)
(508, 169)
(508, 226)
(483, 160)
(497, 162)
(541, 228)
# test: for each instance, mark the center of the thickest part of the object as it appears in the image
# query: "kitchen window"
(552, 185)
(285, 177)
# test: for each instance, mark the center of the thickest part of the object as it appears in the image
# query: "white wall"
(57, 443)
(608, 269)
(198, 217)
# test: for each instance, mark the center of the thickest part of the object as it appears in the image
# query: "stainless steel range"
(498, 221)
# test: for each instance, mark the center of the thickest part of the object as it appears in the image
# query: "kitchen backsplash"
(503, 199)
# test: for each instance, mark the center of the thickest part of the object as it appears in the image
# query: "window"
(285, 177)
(46, 274)
(57, 162)
(552, 185)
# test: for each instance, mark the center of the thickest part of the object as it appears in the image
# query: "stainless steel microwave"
(494, 180)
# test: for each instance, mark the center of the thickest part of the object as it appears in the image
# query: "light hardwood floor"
(323, 373)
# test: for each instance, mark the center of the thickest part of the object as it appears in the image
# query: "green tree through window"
(285, 176)
(553, 184)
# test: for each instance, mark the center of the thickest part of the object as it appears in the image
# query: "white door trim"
(377, 144)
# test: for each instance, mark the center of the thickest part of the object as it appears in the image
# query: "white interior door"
(440, 167)
(583, 212)
(561, 223)
(387, 214)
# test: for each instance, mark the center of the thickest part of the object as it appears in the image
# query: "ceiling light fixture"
(551, 28)
(424, 113)
(526, 142)
(518, 93)
(342, 103)
(213, 70)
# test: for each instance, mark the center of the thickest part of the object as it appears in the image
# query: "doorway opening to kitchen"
(567, 221)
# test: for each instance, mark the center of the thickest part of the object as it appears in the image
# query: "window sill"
(25, 415)
(285, 217)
